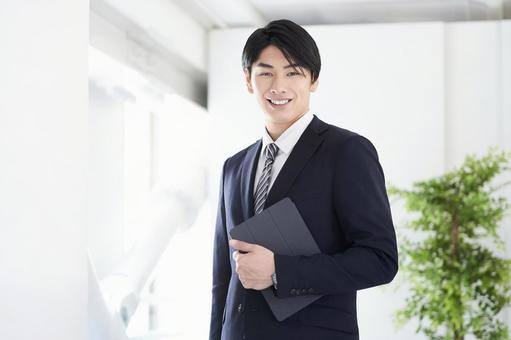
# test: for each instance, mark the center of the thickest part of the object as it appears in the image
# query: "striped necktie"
(264, 181)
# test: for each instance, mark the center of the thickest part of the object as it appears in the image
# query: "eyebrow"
(270, 66)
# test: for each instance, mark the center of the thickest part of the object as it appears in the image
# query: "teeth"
(279, 102)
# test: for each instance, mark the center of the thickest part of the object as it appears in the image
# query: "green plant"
(457, 285)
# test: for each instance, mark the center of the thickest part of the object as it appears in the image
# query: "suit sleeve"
(221, 267)
(362, 209)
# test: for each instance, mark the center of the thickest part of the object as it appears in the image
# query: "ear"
(248, 81)
(314, 85)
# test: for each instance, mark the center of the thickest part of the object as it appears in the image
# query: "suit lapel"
(303, 150)
(248, 171)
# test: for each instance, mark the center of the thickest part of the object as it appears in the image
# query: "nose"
(278, 85)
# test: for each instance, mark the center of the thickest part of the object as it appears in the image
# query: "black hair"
(295, 43)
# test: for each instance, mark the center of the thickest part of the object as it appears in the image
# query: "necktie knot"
(271, 151)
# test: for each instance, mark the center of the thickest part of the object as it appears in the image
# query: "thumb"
(243, 246)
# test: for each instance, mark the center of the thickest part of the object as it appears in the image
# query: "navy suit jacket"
(335, 179)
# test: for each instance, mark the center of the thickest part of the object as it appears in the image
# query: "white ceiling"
(243, 13)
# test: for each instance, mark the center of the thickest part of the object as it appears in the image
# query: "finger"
(245, 282)
(243, 246)
(237, 255)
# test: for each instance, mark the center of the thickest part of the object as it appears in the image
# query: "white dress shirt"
(286, 143)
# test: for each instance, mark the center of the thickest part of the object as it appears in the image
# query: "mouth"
(278, 103)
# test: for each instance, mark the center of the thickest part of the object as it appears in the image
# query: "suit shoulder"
(237, 158)
(343, 139)
(340, 136)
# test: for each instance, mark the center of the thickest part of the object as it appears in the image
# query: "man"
(335, 180)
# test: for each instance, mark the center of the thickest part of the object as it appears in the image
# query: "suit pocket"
(329, 318)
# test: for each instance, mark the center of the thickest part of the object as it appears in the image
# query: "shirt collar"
(290, 136)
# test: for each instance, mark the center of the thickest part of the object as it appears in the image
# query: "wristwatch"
(274, 280)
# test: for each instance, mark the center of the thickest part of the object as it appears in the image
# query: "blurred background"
(109, 191)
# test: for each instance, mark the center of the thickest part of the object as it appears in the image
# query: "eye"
(294, 73)
(265, 74)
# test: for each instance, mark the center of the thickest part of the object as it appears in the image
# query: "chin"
(279, 116)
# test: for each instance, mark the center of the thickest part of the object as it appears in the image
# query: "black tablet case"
(281, 229)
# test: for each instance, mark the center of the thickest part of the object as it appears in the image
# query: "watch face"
(274, 279)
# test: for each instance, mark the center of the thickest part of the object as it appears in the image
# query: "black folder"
(281, 229)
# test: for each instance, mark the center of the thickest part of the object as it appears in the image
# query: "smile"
(279, 102)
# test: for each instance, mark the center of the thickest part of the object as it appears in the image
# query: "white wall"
(474, 96)
(415, 90)
(105, 216)
(43, 147)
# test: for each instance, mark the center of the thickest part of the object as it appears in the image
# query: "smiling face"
(282, 89)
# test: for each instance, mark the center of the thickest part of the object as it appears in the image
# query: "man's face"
(283, 91)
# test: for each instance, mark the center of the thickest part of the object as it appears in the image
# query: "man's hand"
(255, 267)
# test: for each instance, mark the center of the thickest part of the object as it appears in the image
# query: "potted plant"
(458, 284)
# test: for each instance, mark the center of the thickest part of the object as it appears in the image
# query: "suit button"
(311, 290)
(304, 291)
(292, 291)
(240, 308)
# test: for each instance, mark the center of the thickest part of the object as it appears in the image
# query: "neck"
(276, 129)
